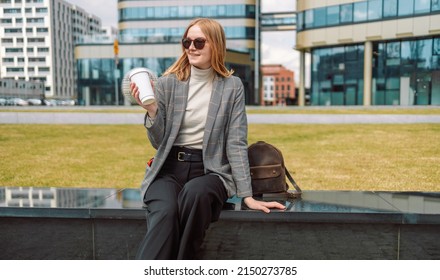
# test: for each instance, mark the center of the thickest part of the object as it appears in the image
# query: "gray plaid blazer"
(225, 136)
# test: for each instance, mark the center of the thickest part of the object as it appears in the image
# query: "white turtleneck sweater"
(194, 120)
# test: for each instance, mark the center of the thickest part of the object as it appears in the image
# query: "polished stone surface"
(312, 206)
(309, 202)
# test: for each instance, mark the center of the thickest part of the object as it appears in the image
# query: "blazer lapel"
(214, 106)
(180, 100)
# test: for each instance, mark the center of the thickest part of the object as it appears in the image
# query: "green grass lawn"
(399, 157)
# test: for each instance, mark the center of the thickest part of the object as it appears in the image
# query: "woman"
(198, 126)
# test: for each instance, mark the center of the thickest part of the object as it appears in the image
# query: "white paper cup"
(141, 77)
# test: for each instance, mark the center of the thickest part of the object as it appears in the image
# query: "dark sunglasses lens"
(199, 43)
(186, 43)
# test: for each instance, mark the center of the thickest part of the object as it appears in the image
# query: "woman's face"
(198, 58)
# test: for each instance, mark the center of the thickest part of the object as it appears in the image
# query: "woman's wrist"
(151, 110)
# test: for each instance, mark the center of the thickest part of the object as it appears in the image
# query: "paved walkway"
(57, 117)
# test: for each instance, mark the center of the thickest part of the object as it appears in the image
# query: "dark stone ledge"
(59, 223)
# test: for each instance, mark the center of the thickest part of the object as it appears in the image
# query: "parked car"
(2, 102)
(47, 103)
(50, 102)
(16, 102)
(34, 102)
(66, 102)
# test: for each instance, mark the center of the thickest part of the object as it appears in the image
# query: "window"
(14, 50)
(333, 15)
(422, 6)
(346, 13)
(435, 5)
(37, 59)
(13, 30)
(436, 46)
(35, 40)
(351, 53)
(424, 53)
(35, 20)
(41, 10)
(374, 9)
(308, 19)
(14, 69)
(406, 7)
(12, 11)
(332, 69)
(393, 54)
(300, 21)
(319, 17)
(389, 8)
(360, 11)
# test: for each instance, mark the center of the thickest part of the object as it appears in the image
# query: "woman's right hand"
(151, 108)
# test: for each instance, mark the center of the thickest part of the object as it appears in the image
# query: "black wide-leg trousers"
(181, 203)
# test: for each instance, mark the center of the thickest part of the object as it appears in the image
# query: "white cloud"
(277, 48)
(268, 6)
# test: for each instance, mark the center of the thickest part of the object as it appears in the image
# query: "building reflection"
(69, 197)
(311, 201)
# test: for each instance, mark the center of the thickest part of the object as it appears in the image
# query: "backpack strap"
(295, 185)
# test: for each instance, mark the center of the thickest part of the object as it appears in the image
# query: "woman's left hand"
(262, 205)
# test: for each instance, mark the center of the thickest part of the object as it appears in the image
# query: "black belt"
(186, 154)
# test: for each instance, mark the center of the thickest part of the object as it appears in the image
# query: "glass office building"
(376, 52)
(149, 36)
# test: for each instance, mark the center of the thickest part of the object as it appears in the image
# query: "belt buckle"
(180, 156)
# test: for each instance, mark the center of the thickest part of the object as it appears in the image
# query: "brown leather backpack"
(268, 172)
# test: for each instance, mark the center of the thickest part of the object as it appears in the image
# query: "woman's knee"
(204, 187)
(193, 190)
(164, 213)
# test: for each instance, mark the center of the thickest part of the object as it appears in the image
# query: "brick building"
(278, 86)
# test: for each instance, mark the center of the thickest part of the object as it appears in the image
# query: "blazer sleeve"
(236, 143)
(156, 128)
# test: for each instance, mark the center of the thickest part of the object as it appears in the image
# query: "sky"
(276, 47)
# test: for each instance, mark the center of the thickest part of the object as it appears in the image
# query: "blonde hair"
(215, 35)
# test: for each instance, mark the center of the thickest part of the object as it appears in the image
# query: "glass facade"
(97, 82)
(96, 79)
(187, 12)
(159, 23)
(174, 35)
(406, 72)
(365, 11)
(171, 32)
(337, 78)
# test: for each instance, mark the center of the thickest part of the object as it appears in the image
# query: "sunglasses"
(199, 43)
